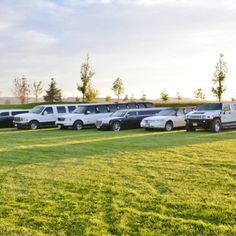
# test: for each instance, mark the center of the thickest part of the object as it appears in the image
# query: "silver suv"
(213, 116)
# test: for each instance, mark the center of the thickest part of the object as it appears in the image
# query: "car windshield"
(80, 110)
(118, 113)
(37, 110)
(209, 107)
(167, 113)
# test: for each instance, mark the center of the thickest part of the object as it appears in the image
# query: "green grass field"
(128, 183)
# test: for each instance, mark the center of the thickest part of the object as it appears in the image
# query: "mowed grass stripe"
(160, 184)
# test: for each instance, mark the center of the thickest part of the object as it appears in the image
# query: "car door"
(48, 117)
(180, 118)
(102, 112)
(227, 117)
(91, 115)
(234, 113)
(130, 120)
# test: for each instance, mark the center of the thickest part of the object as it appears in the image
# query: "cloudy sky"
(151, 44)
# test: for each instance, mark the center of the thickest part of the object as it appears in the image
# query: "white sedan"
(167, 119)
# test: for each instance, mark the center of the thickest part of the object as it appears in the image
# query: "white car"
(166, 119)
(213, 116)
(42, 116)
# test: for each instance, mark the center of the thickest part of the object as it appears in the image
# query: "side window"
(122, 106)
(112, 107)
(226, 107)
(180, 113)
(132, 114)
(148, 105)
(102, 109)
(91, 110)
(141, 105)
(132, 105)
(234, 107)
(4, 114)
(61, 110)
(48, 110)
(71, 108)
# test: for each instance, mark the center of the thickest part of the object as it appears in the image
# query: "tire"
(33, 125)
(169, 126)
(116, 126)
(62, 127)
(78, 125)
(190, 128)
(216, 126)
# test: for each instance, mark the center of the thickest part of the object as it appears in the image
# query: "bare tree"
(118, 88)
(178, 96)
(164, 95)
(21, 89)
(37, 89)
(199, 94)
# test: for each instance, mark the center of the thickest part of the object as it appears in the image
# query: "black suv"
(126, 119)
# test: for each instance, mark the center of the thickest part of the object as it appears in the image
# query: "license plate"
(194, 124)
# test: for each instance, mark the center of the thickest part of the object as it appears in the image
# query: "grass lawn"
(56, 182)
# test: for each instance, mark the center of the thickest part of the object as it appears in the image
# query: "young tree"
(199, 94)
(108, 98)
(91, 94)
(53, 94)
(126, 98)
(21, 89)
(178, 96)
(164, 95)
(144, 97)
(219, 78)
(118, 88)
(86, 75)
(37, 89)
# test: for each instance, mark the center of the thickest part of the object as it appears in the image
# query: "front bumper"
(153, 125)
(198, 122)
(21, 124)
(103, 126)
(64, 124)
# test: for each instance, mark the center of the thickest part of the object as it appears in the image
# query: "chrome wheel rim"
(78, 126)
(116, 127)
(34, 126)
(217, 127)
(168, 127)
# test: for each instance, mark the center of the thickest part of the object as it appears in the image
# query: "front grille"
(17, 119)
(61, 119)
(195, 117)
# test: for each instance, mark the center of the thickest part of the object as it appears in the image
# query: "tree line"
(23, 89)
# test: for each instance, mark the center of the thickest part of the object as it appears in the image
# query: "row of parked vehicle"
(213, 116)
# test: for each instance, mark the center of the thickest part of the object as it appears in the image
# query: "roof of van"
(145, 109)
(9, 110)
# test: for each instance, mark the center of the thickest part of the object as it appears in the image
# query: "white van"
(43, 116)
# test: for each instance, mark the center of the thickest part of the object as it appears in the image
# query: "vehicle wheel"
(116, 126)
(33, 125)
(190, 128)
(216, 126)
(78, 125)
(169, 126)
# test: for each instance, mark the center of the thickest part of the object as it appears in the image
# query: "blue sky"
(151, 44)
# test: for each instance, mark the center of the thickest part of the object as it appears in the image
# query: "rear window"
(71, 108)
(61, 110)
(112, 107)
(102, 109)
(4, 114)
(18, 112)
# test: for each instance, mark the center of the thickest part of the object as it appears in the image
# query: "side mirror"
(44, 113)
(87, 112)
